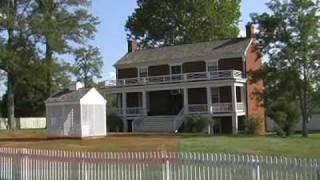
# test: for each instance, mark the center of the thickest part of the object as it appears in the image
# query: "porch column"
(234, 110)
(185, 100)
(209, 100)
(210, 111)
(144, 102)
(119, 102)
(124, 111)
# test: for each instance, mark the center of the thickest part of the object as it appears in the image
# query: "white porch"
(212, 104)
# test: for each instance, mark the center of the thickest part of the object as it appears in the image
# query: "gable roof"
(219, 49)
(68, 96)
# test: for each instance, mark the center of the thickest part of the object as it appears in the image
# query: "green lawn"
(294, 146)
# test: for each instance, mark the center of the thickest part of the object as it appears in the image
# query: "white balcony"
(192, 109)
(215, 108)
(176, 78)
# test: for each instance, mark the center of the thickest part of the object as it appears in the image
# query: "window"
(176, 69)
(215, 95)
(143, 72)
(213, 66)
(176, 72)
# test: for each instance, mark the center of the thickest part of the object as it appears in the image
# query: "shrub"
(286, 115)
(114, 123)
(253, 125)
(195, 123)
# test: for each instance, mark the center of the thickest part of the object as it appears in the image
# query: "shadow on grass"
(35, 139)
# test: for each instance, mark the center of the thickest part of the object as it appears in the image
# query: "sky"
(111, 36)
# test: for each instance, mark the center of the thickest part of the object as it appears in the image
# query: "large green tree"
(88, 64)
(13, 15)
(60, 25)
(164, 23)
(33, 35)
(290, 38)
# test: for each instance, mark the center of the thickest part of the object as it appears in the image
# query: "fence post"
(167, 167)
(256, 171)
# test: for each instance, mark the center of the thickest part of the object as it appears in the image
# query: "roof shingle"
(220, 49)
(68, 96)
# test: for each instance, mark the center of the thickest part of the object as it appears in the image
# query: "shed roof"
(68, 96)
(228, 48)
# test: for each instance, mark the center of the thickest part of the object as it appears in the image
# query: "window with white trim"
(212, 66)
(176, 69)
(215, 95)
(143, 72)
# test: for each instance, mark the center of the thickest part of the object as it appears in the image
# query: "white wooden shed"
(76, 114)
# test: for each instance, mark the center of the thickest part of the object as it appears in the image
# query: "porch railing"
(178, 121)
(131, 111)
(174, 78)
(215, 108)
(192, 108)
(241, 107)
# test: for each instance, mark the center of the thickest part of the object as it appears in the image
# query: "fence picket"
(64, 165)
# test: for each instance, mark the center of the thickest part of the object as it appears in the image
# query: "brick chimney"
(133, 46)
(250, 31)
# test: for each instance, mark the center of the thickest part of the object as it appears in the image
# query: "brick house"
(157, 87)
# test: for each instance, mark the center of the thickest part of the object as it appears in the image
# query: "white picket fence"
(28, 164)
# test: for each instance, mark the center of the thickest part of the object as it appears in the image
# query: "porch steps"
(156, 124)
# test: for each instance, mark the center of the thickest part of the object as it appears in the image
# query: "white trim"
(216, 63)
(159, 87)
(176, 64)
(144, 68)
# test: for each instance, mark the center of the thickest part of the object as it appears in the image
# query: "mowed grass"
(294, 146)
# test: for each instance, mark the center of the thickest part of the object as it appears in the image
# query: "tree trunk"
(10, 103)
(304, 106)
(10, 83)
(48, 59)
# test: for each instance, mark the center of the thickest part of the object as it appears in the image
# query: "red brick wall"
(255, 103)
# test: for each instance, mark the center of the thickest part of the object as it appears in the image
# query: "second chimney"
(250, 31)
(132, 46)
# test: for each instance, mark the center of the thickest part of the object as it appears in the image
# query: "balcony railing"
(192, 108)
(186, 77)
(131, 111)
(215, 108)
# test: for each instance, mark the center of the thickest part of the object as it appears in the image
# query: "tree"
(165, 23)
(88, 64)
(290, 38)
(285, 114)
(33, 33)
(13, 14)
(60, 25)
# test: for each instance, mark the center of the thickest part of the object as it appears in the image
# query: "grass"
(294, 146)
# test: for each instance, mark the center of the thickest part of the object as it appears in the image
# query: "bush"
(253, 125)
(195, 123)
(114, 123)
(286, 115)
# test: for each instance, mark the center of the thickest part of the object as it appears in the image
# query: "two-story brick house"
(157, 87)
